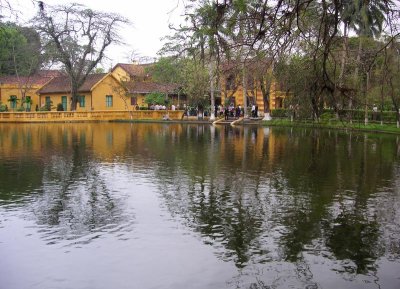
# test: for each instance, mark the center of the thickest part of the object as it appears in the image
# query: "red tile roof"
(62, 84)
(39, 78)
(149, 87)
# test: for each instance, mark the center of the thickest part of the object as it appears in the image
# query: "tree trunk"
(266, 91)
(342, 66)
(355, 77)
(366, 100)
(212, 116)
(74, 97)
(244, 91)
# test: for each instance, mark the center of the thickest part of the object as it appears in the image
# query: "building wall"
(276, 96)
(140, 99)
(7, 90)
(56, 98)
(110, 86)
(120, 74)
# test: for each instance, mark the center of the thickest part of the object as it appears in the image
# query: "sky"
(149, 23)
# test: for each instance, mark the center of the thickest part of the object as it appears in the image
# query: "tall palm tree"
(366, 19)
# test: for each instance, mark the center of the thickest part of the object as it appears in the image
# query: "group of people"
(234, 111)
(163, 107)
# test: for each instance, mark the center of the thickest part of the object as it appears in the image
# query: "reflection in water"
(72, 200)
(285, 206)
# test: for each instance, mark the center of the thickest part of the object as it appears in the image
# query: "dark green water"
(180, 206)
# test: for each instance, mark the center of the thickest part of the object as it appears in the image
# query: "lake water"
(110, 205)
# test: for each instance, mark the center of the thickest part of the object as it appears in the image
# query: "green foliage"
(60, 107)
(3, 107)
(196, 85)
(166, 70)
(328, 115)
(191, 74)
(155, 98)
(280, 112)
(19, 50)
(98, 70)
(356, 115)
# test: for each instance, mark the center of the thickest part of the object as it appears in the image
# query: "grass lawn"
(335, 124)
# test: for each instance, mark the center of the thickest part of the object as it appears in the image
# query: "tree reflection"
(21, 172)
(352, 238)
(238, 192)
(254, 196)
(19, 179)
(73, 201)
(77, 200)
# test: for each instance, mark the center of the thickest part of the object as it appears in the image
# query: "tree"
(196, 83)
(190, 73)
(20, 50)
(156, 98)
(20, 56)
(369, 18)
(279, 31)
(78, 37)
(166, 70)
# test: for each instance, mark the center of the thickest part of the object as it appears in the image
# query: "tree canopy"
(20, 50)
(78, 38)
(311, 37)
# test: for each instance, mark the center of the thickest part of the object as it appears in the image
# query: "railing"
(66, 116)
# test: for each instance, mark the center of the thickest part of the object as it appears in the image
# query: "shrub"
(156, 98)
(327, 115)
(3, 107)
(280, 112)
(60, 107)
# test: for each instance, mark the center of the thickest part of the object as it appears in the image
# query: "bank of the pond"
(371, 127)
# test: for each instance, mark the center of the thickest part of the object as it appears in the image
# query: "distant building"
(99, 92)
(17, 91)
(257, 78)
(138, 83)
(124, 88)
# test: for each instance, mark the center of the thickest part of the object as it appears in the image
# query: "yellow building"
(137, 81)
(99, 92)
(131, 72)
(124, 88)
(256, 78)
(16, 91)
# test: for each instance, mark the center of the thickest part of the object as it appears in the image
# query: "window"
(28, 103)
(64, 102)
(48, 103)
(13, 101)
(109, 101)
(133, 100)
(82, 101)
